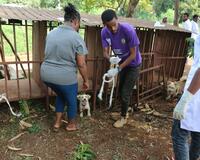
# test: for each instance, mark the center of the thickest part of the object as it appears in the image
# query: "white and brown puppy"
(84, 104)
(173, 89)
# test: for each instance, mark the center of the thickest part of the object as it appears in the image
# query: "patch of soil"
(145, 137)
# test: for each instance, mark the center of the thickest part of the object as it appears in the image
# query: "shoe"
(120, 123)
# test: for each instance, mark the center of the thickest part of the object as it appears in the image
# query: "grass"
(8, 131)
(117, 157)
(12, 128)
(24, 108)
(84, 152)
(20, 39)
(190, 50)
(36, 128)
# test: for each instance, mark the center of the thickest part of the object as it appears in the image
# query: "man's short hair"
(108, 15)
(195, 16)
(187, 14)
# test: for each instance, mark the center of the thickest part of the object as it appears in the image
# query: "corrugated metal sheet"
(25, 13)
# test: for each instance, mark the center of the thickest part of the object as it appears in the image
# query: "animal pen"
(163, 50)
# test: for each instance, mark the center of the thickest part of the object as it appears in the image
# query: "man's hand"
(85, 85)
(114, 60)
(181, 107)
(113, 72)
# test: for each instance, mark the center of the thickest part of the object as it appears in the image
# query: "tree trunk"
(131, 7)
(176, 15)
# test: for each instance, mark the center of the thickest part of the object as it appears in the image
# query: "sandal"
(56, 129)
(71, 127)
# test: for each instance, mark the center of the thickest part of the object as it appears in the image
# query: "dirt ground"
(145, 137)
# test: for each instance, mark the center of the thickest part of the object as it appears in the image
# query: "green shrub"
(190, 50)
(35, 128)
(24, 108)
(84, 152)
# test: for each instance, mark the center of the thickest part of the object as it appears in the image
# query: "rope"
(102, 87)
(3, 97)
(114, 63)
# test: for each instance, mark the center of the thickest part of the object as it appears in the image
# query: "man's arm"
(130, 58)
(112, 72)
(106, 53)
(181, 107)
(195, 84)
(81, 63)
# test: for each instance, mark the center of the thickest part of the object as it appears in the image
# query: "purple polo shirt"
(121, 42)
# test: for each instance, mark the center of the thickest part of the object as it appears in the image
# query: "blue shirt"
(62, 45)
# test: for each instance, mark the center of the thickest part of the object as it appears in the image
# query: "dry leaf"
(14, 148)
(25, 124)
(25, 155)
(17, 136)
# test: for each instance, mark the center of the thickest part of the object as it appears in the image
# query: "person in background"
(123, 40)
(195, 27)
(186, 22)
(187, 114)
(65, 51)
(164, 20)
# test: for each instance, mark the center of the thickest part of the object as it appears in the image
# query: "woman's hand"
(85, 85)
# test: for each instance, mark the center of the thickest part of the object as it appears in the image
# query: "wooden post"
(39, 36)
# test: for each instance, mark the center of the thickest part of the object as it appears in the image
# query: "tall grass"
(20, 39)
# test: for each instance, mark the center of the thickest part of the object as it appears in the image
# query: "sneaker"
(120, 123)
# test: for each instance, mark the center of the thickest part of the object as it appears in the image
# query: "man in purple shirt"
(122, 39)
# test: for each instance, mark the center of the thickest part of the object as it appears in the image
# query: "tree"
(131, 7)
(48, 4)
(31, 3)
(190, 6)
(176, 14)
(144, 10)
(161, 6)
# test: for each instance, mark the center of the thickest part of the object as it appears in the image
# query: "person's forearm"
(129, 59)
(106, 53)
(195, 84)
(83, 71)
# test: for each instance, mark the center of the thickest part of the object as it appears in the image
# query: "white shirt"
(192, 120)
(187, 25)
(195, 29)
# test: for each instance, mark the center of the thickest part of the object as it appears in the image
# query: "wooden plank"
(28, 58)
(12, 89)
(39, 36)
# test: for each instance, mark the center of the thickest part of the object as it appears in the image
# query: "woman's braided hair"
(71, 13)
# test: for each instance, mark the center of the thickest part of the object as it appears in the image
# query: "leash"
(102, 87)
(3, 97)
(114, 62)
